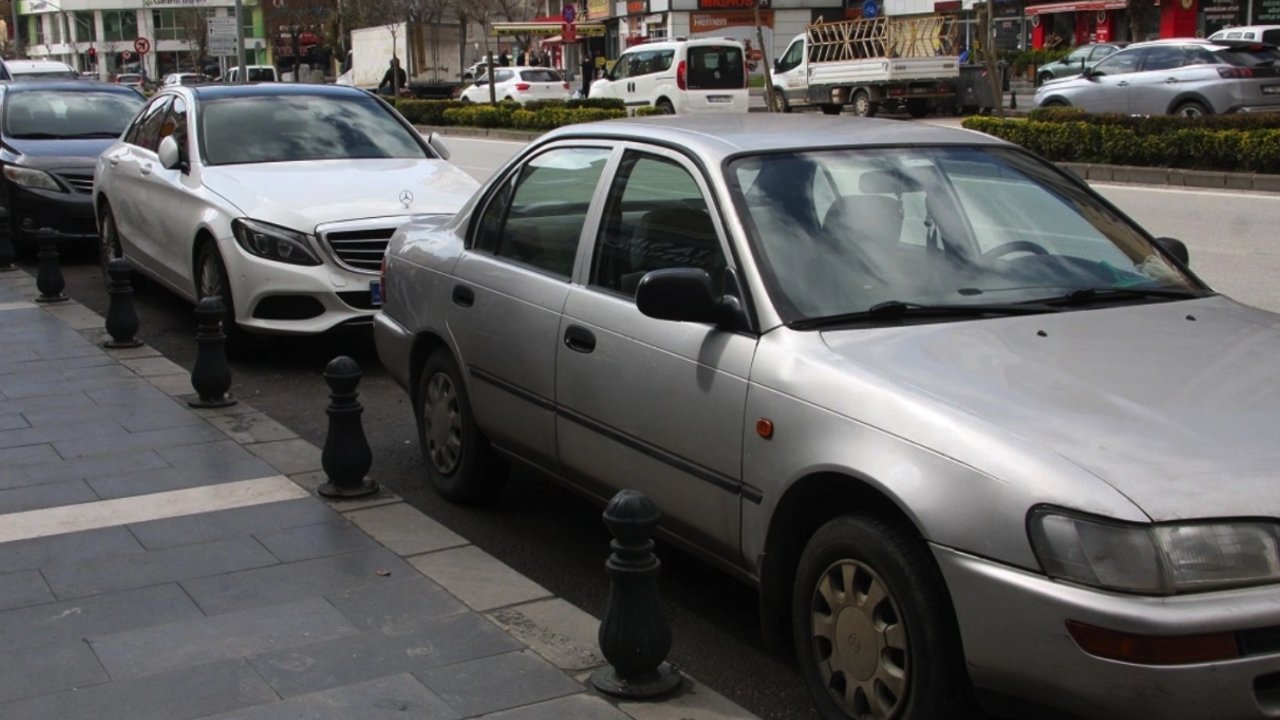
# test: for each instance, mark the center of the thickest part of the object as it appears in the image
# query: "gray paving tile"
(75, 432)
(8, 368)
(155, 649)
(224, 456)
(22, 589)
(147, 415)
(222, 524)
(148, 440)
(66, 403)
(391, 698)
(178, 477)
(65, 387)
(35, 670)
(97, 371)
(355, 659)
(405, 529)
(477, 578)
(292, 581)
(578, 707)
(314, 541)
(183, 694)
(98, 615)
(498, 683)
(35, 497)
(12, 459)
(134, 392)
(67, 548)
(48, 466)
(13, 421)
(289, 456)
(398, 606)
(155, 567)
(254, 427)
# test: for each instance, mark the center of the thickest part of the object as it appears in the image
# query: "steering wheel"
(1013, 247)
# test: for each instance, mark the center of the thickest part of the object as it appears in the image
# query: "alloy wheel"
(860, 642)
(108, 241)
(442, 423)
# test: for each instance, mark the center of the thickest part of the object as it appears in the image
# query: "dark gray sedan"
(961, 422)
(1076, 62)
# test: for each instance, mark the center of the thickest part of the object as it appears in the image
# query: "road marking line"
(141, 508)
(1138, 187)
(16, 306)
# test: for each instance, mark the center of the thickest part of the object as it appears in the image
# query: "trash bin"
(973, 92)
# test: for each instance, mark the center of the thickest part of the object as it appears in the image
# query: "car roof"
(716, 137)
(1244, 28)
(20, 65)
(68, 84)
(215, 92)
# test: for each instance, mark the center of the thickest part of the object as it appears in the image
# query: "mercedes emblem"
(406, 198)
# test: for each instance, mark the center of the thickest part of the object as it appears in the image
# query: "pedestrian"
(394, 80)
(504, 60)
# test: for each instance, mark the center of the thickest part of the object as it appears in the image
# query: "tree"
(194, 25)
(1143, 18)
(987, 36)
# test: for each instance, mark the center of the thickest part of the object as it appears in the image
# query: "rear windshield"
(1250, 56)
(262, 74)
(539, 76)
(716, 67)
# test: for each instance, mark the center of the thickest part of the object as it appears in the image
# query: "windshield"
(842, 231)
(286, 128)
(67, 114)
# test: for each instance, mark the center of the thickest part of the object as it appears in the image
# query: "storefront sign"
(1266, 12)
(714, 22)
(597, 9)
(1221, 13)
(730, 4)
(637, 7)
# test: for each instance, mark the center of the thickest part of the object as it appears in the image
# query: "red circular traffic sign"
(142, 45)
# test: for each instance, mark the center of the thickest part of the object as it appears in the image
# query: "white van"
(257, 73)
(682, 77)
(1269, 34)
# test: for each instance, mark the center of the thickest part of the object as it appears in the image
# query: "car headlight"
(31, 178)
(1155, 559)
(273, 242)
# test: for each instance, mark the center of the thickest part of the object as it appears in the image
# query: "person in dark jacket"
(394, 80)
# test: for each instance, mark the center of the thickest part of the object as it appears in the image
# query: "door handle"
(1123, 83)
(463, 296)
(114, 161)
(1171, 80)
(579, 339)
(145, 169)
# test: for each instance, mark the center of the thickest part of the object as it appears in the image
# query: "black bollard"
(8, 253)
(211, 376)
(49, 278)
(1013, 99)
(346, 456)
(634, 636)
(122, 319)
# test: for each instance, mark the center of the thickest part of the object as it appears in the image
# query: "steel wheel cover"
(442, 423)
(859, 642)
(1191, 111)
(211, 280)
(861, 104)
(109, 241)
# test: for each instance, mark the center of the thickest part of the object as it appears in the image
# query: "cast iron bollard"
(122, 319)
(346, 456)
(211, 376)
(8, 253)
(634, 636)
(49, 278)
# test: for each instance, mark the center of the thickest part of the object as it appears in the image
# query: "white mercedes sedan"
(280, 198)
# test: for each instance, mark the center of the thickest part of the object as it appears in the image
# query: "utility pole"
(242, 74)
(17, 36)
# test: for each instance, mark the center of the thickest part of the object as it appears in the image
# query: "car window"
(1271, 37)
(536, 218)
(1119, 63)
(621, 68)
(715, 67)
(145, 132)
(655, 217)
(1163, 57)
(539, 76)
(67, 114)
(1077, 56)
(287, 128)
(262, 74)
(1250, 56)
(792, 59)
(503, 75)
(175, 124)
(1196, 55)
(1101, 51)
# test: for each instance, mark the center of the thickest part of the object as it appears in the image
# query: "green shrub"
(426, 112)
(478, 115)
(648, 110)
(576, 103)
(547, 118)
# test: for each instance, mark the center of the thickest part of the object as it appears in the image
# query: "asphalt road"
(557, 539)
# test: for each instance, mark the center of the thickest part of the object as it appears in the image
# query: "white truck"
(428, 52)
(885, 62)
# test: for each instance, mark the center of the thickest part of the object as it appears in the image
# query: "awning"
(1081, 6)
(546, 28)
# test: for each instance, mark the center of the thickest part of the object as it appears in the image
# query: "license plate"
(1271, 89)
(375, 293)
(719, 98)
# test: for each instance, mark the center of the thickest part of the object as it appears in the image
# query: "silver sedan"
(1182, 76)
(963, 424)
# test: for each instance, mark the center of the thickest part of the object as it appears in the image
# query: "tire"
(831, 109)
(460, 463)
(1055, 102)
(665, 107)
(862, 105)
(109, 247)
(917, 108)
(780, 104)
(211, 279)
(893, 632)
(1192, 109)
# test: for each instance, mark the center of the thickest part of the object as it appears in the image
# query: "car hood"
(53, 154)
(302, 195)
(1176, 405)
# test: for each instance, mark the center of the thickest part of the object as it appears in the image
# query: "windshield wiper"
(1081, 296)
(90, 135)
(891, 309)
(37, 136)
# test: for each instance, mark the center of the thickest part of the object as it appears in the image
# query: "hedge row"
(1187, 145)
(511, 115)
(1152, 124)
(436, 112)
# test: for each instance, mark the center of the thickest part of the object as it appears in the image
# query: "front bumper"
(1012, 624)
(69, 215)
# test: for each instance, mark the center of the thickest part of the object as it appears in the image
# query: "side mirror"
(682, 295)
(438, 145)
(1176, 248)
(171, 154)
(777, 65)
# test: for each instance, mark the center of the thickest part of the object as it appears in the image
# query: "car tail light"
(1235, 72)
(897, 91)
(522, 87)
(682, 81)
(566, 85)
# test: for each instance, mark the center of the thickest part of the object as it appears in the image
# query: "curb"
(558, 631)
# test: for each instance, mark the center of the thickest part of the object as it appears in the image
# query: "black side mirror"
(777, 65)
(1176, 248)
(683, 295)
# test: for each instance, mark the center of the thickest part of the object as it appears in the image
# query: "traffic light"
(93, 53)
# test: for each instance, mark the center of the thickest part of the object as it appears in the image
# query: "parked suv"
(1269, 34)
(1074, 63)
(685, 76)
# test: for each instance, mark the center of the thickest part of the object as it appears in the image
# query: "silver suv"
(1182, 77)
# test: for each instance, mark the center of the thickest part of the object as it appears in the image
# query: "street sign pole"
(243, 73)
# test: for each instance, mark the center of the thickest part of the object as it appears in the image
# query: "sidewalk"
(162, 563)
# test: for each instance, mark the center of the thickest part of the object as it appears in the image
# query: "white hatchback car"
(680, 76)
(280, 198)
(520, 84)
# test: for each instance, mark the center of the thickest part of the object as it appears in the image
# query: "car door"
(174, 205)
(502, 87)
(655, 76)
(650, 404)
(510, 288)
(129, 164)
(614, 82)
(792, 73)
(1106, 88)
(1158, 81)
